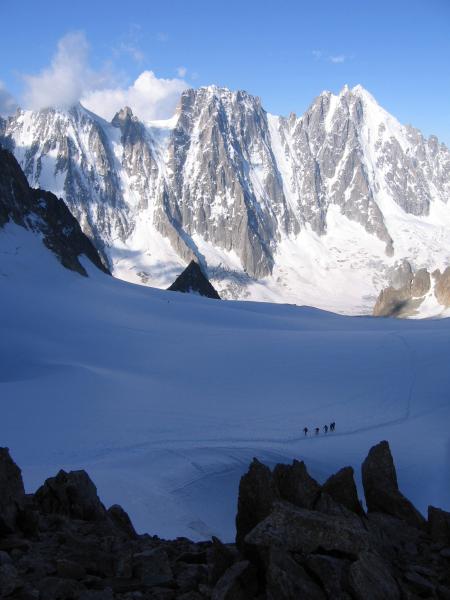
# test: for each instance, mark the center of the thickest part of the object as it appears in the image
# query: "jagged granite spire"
(252, 196)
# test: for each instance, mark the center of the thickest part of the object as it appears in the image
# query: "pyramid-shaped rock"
(193, 281)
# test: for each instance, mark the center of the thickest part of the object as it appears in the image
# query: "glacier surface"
(164, 398)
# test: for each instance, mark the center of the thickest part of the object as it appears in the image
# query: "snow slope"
(165, 398)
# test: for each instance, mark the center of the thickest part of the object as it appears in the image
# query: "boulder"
(295, 485)
(237, 583)
(12, 493)
(381, 488)
(220, 558)
(287, 580)
(331, 572)
(370, 579)
(326, 505)
(439, 525)
(189, 576)
(71, 494)
(393, 536)
(342, 488)
(152, 568)
(301, 530)
(257, 494)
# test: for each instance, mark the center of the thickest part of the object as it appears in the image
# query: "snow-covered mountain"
(317, 209)
(44, 216)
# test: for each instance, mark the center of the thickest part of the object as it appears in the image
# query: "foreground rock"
(317, 541)
(295, 539)
(12, 493)
(381, 487)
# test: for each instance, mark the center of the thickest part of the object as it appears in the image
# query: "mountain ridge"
(270, 205)
(43, 214)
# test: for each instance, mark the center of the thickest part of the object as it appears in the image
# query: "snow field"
(165, 398)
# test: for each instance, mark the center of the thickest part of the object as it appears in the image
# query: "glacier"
(164, 398)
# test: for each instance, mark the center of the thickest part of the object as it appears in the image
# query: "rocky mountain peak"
(123, 115)
(193, 281)
(233, 187)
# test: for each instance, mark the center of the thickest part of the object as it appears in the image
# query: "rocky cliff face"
(43, 213)
(295, 539)
(252, 196)
(409, 291)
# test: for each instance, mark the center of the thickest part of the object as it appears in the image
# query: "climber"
(305, 430)
(325, 428)
(317, 431)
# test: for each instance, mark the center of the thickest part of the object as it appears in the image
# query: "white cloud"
(69, 79)
(181, 71)
(8, 104)
(317, 54)
(162, 36)
(337, 59)
(149, 97)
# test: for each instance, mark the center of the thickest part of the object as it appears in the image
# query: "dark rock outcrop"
(408, 290)
(307, 531)
(12, 493)
(295, 484)
(333, 549)
(342, 488)
(439, 525)
(257, 493)
(43, 213)
(406, 293)
(328, 550)
(70, 494)
(193, 281)
(370, 578)
(121, 519)
(381, 488)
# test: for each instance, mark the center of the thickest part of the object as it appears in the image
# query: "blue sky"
(286, 52)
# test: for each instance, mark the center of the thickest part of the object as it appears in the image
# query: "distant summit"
(193, 281)
(316, 209)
